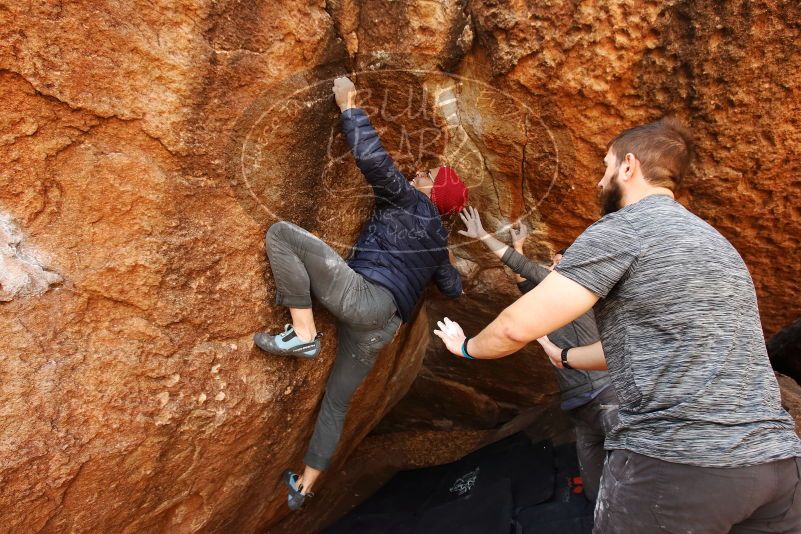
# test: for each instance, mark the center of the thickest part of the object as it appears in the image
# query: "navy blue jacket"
(403, 245)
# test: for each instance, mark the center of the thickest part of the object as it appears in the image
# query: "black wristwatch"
(564, 358)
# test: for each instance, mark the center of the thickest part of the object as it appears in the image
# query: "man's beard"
(610, 198)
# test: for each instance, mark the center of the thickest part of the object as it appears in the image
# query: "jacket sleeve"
(525, 286)
(388, 183)
(448, 280)
(533, 273)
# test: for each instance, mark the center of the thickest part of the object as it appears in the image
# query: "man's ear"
(630, 163)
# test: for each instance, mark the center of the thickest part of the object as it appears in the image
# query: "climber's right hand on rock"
(344, 93)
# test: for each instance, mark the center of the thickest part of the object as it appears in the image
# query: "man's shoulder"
(663, 218)
(633, 221)
(609, 220)
(654, 209)
(613, 226)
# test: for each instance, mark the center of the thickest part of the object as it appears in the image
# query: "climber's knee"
(286, 232)
(276, 231)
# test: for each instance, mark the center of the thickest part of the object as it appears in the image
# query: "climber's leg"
(303, 323)
(308, 478)
(303, 265)
(357, 351)
(593, 421)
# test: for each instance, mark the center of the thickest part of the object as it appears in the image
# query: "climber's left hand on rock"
(451, 334)
(344, 93)
(519, 236)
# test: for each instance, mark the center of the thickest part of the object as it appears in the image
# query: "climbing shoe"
(296, 497)
(287, 343)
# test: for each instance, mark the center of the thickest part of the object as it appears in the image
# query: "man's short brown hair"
(664, 148)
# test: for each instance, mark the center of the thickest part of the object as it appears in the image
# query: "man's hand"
(451, 334)
(344, 93)
(519, 236)
(472, 222)
(554, 353)
(586, 358)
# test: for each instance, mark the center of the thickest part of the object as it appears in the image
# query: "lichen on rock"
(23, 271)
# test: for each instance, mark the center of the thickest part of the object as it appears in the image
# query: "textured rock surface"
(23, 272)
(148, 145)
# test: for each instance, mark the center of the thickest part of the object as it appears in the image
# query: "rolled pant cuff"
(316, 462)
(293, 301)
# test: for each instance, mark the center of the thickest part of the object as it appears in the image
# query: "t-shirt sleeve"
(602, 255)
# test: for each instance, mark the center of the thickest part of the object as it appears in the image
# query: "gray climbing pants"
(642, 494)
(367, 320)
(593, 421)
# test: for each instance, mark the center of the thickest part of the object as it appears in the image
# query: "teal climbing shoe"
(287, 343)
(296, 497)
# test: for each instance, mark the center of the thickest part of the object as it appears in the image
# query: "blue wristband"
(464, 349)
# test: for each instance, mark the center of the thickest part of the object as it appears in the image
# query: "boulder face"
(21, 271)
(147, 147)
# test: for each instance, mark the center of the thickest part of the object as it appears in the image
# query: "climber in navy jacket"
(401, 249)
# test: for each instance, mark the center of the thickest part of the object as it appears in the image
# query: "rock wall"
(148, 145)
(22, 271)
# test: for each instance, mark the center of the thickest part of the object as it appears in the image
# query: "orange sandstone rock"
(147, 146)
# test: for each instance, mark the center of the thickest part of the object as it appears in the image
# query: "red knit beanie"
(449, 193)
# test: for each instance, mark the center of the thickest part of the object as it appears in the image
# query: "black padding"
(488, 508)
(507, 487)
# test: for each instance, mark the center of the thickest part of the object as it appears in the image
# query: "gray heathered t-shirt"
(680, 328)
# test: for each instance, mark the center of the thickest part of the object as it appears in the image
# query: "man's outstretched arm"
(370, 155)
(552, 304)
